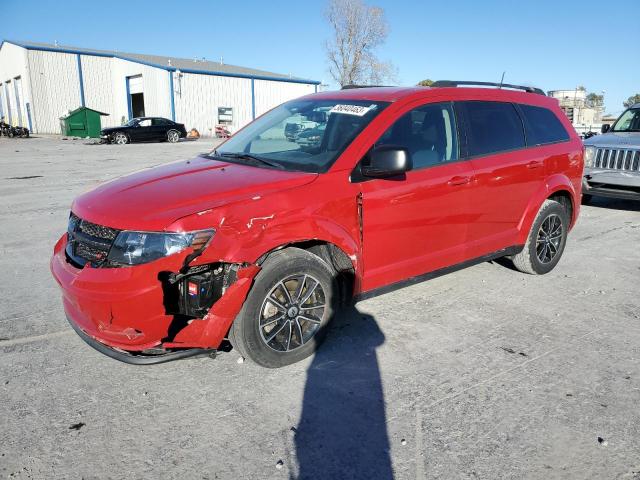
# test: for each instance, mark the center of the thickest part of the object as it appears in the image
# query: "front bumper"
(123, 308)
(611, 183)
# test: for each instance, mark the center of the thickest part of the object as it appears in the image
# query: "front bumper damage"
(128, 313)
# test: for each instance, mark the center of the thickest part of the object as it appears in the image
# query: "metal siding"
(54, 79)
(98, 87)
(269, 94)
(155, 86)
(13, 65)
(197, 98)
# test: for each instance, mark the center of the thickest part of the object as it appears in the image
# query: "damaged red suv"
(263, 239)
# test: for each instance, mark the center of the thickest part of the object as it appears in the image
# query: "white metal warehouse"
(41, 82)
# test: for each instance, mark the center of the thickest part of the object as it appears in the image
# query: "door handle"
(534, 164)
(459, 180)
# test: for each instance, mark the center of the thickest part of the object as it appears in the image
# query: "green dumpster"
(82, 122)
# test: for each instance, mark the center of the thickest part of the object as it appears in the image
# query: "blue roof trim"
(164, 67)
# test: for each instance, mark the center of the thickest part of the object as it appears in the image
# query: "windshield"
(306, 135)
(132, 122)
(629, 121)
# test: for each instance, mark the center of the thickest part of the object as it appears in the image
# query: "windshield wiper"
(249, 156)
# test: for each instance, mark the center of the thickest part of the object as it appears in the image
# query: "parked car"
(144, 129)
(262, 241)
(312, 137)
(612, 160)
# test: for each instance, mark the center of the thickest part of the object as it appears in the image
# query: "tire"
(173, 136)
(120, 138)
(546, 241)
(270, 335)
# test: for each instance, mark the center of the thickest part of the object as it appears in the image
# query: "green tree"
(594, 100)
(425, 83)
(632, 100)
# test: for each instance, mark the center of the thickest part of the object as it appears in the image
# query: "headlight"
(134, 248)
(589, 156)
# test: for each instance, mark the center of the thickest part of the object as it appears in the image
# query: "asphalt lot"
(485, 373)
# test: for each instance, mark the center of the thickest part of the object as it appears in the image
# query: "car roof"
(394, 94)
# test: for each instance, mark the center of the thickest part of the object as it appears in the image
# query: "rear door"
(417, 223)
(160, 127)
(507, 174)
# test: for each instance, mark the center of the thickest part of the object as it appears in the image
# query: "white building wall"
(55, 88)
(155, 81)
(50, 84)
(97, 76)
(13, 64)
(269, 94)
(197, 98)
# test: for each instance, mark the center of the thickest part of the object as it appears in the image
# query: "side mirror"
(605, 127)
(387, 161)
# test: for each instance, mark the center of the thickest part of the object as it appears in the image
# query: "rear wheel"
(546, 240)
(173, 136)
(120, 139)
(286, 313)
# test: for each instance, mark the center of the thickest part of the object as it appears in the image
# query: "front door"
(143, 132)
(418, 223)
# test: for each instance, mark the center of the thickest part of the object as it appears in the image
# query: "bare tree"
(358, 30)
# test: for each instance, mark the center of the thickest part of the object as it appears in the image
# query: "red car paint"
(435, 218)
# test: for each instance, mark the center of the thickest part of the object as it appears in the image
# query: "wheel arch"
(557, 187)
(344, 265)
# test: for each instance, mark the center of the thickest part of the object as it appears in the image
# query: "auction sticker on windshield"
(357, 110)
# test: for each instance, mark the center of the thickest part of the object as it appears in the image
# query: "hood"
(152, 199)
(111, 129)
(615, 140)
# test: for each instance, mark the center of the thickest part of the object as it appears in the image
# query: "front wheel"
(286, 313)
(120, 139)
(546, 240)
(173, 136)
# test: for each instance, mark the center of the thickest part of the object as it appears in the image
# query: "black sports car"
(144, 129)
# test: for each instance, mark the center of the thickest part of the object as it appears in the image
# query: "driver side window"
(145, 123)
(427, 132)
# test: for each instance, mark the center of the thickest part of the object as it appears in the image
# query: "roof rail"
(456, 83)
(350, 87)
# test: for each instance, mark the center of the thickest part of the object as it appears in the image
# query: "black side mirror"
(605, 127)
(387, 161)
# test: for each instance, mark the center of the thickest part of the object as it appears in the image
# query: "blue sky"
(550, 44)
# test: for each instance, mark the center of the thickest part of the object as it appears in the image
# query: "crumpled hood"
(111, 129)
(153, 199)
(615, 140)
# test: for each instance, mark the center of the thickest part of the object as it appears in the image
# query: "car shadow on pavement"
(342, 430)
(614, 204)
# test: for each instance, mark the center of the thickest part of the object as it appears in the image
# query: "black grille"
(88, 242)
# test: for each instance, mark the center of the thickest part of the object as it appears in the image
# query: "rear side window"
(542, 126)
(491, 127)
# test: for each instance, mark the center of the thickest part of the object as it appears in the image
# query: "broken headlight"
(134, 248)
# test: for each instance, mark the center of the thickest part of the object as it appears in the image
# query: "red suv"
(262, 240)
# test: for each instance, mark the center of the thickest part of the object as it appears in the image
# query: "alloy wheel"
(120, 138)
(549, 238)
(292, 312)
(173, 136)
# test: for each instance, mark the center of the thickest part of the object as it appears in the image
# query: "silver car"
(612, 160)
